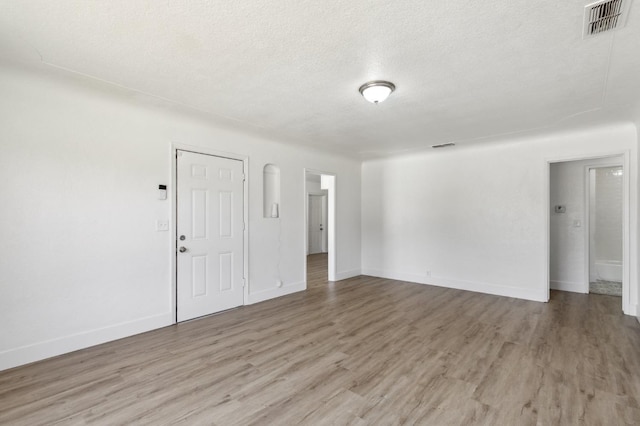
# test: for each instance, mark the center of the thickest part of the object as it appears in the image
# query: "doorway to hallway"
(320, 227)
(589, 227)
(605, 230)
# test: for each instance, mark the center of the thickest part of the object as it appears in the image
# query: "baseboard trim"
(42, 350)
(344, 275)
(272, 293)
(567, 286)
(537, 295)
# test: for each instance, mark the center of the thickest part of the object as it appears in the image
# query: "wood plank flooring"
(317, 274)
(358, 352)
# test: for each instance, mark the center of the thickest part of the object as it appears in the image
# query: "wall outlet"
(278, 283)
(428, 273)
(162, 225)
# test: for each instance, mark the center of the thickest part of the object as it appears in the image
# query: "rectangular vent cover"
(604, 15)
(443, 145)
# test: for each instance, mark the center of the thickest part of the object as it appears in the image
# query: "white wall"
(567, 267)
(80, 260)
(313, 187)
(476, 217)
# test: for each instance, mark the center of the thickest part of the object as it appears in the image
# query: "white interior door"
(325, 224)
(209, 234)
(316, 226)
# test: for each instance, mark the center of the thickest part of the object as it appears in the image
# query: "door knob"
(182, 249)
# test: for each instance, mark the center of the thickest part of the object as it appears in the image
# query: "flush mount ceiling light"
(377, 91)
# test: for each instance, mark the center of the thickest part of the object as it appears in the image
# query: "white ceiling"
(466, 71)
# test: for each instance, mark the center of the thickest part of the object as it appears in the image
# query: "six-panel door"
(209, 234)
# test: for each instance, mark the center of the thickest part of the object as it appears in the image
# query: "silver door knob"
(182, 249)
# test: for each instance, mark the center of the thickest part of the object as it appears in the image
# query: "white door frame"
(175, 146)
(626, 221)
(587, 220)
(331, 223)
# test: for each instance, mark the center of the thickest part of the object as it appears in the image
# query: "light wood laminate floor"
(360, 351)
(317, 270)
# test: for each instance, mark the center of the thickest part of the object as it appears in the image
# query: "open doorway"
(319, 227)
(588, 227)
(605, 229)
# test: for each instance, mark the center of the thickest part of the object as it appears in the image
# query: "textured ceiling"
(465, 71)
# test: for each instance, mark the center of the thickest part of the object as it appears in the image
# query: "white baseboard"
(347, 274)
(567, 286)
(537, 295)
(272, 293)
(54, 347)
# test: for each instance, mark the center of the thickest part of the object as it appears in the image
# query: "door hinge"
(244, 282)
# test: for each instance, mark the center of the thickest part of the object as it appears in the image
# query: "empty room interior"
(338, 212)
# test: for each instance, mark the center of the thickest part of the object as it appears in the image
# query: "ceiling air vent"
(604, 15)
(443, 145)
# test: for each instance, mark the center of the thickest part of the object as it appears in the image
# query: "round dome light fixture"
(377, 91)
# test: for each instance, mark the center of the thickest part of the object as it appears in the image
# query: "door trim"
(173, 193)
